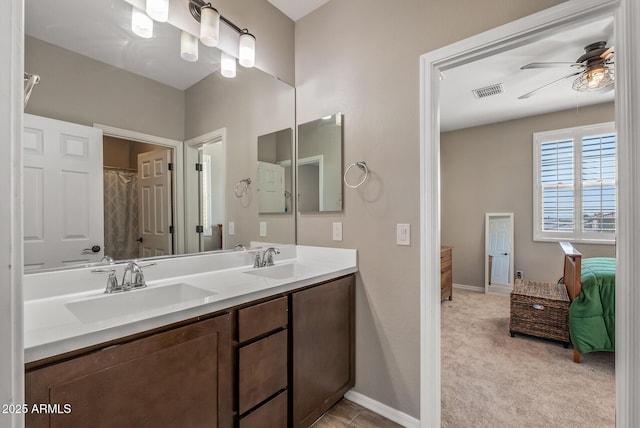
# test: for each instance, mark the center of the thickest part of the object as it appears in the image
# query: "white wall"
(11, 101)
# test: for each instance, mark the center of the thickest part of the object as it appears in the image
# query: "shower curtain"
(120, 214)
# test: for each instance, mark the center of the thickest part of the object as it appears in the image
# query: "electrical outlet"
(337, 231)
(403, 234)
(231, 230)
(263, 228)
(519, 274)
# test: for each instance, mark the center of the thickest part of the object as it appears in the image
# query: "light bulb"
(594, 77)
(141, 24)
(247, 49)
(227, 65)
(209, 26)
(188, 47)
(158, 10)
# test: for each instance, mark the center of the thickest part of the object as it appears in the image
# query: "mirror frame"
(502, 288)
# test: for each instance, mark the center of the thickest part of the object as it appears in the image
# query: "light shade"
(188, 47)
(158, 10)
(227, 65)
(247, 49)
(141, 24)
(594, 79)
(209, 26)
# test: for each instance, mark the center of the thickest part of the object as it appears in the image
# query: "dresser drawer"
(262, 370)
(262, 318)
(271, 414)
(445, 260)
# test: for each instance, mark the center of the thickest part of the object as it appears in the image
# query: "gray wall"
(490, 169)
(361, 57)
(78, 89)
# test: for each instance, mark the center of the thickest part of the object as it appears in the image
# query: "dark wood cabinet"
(446, 273)
(323, 348)
(179, 377)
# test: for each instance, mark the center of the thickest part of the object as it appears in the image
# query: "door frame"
(627, 108)
(177, 178)
(503, 288)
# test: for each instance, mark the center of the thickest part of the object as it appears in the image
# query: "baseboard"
(469, 288)
(382, 409)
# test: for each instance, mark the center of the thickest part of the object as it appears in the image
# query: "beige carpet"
(490, 379)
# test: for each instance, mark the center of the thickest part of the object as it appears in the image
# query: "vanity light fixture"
(209, 25)
(188, 47)
(247, 49)
(141, 24)
(158, 10)
(227, 65)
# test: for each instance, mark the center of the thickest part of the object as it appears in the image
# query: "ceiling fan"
(594, 69)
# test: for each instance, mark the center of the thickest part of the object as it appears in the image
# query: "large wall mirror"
(179, 122)
(319, 163)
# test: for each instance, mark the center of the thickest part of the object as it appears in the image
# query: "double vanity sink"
(68, 310)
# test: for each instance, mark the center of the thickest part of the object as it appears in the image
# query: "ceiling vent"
(487, 91)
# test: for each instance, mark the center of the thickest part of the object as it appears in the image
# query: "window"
(575, 184)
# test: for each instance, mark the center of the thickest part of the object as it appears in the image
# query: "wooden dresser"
(446, 277)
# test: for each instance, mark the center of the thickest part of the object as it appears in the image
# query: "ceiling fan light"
(247, 49)
(158, 10)
(227, 65)
(594, 79)
(209, 25)
(188, 47)
(141, 24)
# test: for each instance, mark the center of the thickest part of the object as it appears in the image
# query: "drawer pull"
(538, 307)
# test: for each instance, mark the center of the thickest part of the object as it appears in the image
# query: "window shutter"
(557, 186)
(599, 184)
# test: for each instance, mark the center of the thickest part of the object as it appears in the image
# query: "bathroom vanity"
(270, 348)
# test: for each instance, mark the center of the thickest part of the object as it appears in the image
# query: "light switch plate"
(231, 229)
(263, 228)
(337, 231)
(403, 234)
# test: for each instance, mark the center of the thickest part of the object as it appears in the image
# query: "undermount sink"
(127, 303)
(276, 272)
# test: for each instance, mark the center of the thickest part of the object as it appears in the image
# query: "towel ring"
(363, 166)
(241, 193)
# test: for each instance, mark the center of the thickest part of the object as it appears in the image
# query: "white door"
(154, 203)
(270, 188)
(63, 214)
(499, 249)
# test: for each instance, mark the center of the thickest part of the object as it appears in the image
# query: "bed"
(590, 284)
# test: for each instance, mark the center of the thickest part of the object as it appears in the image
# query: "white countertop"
(51, 328)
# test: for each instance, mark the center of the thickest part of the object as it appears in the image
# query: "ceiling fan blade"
(607, 54)
(550, 65)
(528, 94)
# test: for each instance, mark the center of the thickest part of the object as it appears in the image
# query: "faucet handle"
(138, 279)
(112, 283)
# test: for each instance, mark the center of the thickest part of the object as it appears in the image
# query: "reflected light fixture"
(188, 47)
(141, 24)
(158, 10)
(209, 25)
(247, 49)
(227, 65)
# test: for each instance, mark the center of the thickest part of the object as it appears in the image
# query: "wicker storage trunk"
(540, 309)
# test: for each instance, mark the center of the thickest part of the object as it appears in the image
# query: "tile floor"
(348, 414)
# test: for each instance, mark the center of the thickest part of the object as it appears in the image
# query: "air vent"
(487, 91)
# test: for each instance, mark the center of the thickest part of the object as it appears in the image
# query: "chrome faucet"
(132, 278)
(266, 258)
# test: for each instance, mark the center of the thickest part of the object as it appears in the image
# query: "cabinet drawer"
(262, 318)
(271, 414)
(262, 370)
(445, 260)
(445, 280)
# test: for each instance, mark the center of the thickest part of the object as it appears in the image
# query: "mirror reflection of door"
(124, 207)
(499, 252)
(274, 178)
(211, 192)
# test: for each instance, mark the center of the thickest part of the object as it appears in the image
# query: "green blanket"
(592, 315)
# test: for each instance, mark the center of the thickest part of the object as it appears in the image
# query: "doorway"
(486, 44)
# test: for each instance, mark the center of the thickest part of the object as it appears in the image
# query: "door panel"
(499, 249)
(63, 200)
(154, 192)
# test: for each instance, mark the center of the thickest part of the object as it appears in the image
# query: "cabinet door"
(323, 333)
(180, 377)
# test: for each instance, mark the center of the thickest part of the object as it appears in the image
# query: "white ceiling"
(101, 30)
(459, 108)
(296, 9)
